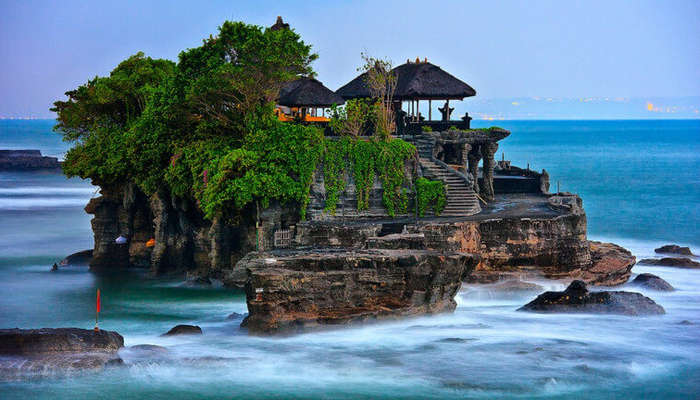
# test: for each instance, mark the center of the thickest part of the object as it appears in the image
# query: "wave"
(29, 203)
(48, 190)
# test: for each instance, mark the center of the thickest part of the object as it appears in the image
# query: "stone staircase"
(461, 199)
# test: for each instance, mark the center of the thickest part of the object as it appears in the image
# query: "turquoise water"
(640, 186)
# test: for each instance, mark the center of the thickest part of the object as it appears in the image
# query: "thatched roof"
(307, 92)
(279, 24)
(421, 80)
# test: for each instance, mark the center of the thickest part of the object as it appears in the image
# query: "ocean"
(640, 185)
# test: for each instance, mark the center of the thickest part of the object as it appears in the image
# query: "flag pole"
(97, 311)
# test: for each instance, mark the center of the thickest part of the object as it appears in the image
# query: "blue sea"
(640, 185)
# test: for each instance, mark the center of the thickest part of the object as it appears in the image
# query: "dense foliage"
(430, 193)
(367, 159)
(204, 128)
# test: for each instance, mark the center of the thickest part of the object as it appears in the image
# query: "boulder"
(50, 351)
(674, 249)
(79, 258)
(680, 262)
(610, 265)
(653, 282)
(577, 299)
(184, 330)
(298, 290)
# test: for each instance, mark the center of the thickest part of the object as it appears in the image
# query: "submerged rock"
(516, 286)
(49, 351)
(680, 262)
(653, 282)
(184, 330)
(674, 249)
(577, 299)
(610, 265)
(294, 291)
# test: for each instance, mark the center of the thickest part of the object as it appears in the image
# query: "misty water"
(641, 188)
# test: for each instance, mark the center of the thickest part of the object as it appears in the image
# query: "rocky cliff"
(183, 240)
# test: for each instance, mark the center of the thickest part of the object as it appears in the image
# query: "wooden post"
(430, 110)
(447, 109)
(418, 110)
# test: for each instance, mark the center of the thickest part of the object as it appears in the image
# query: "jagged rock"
(577, 299)
(235, 315)
(184, 330)
(293, 291)
(674, 249)
(397, 241)
(79, 258)
(55, 351)
(653, 282)
(610, 265)
(680, 262)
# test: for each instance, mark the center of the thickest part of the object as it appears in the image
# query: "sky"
(504, 49)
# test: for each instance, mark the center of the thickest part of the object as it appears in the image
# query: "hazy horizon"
(581, 53)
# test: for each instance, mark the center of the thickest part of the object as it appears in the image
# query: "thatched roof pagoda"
(415, 81)
(307, 92)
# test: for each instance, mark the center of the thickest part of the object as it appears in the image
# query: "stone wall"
(346, 207)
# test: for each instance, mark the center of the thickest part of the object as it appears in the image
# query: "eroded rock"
(610, 265)
(50, 351)
(295, 291)
(680, 262)
(674, 249)
(577, 299)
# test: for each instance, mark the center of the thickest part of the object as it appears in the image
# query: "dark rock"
(58, 340)
(79, 258)
(49, 351)
(653, 282)
(54, 267)
(674, 249)
(294, 291)
(610, 265)
(685, 322)
(235, 315)
(27, 160)
(184, 330)
(680, 262)
(577, 299)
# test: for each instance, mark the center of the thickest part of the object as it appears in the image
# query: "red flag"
(98, 300)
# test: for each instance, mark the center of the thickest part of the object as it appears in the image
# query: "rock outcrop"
(680, 262)
(610, 265)
(674, 249)
(295, 291)
(27, 160)
(56, 351)
(652, 282)
(184, 330)
(577, 299)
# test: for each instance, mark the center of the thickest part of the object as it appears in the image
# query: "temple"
(448, 148)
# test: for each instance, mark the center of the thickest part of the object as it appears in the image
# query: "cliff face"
(184, 240)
